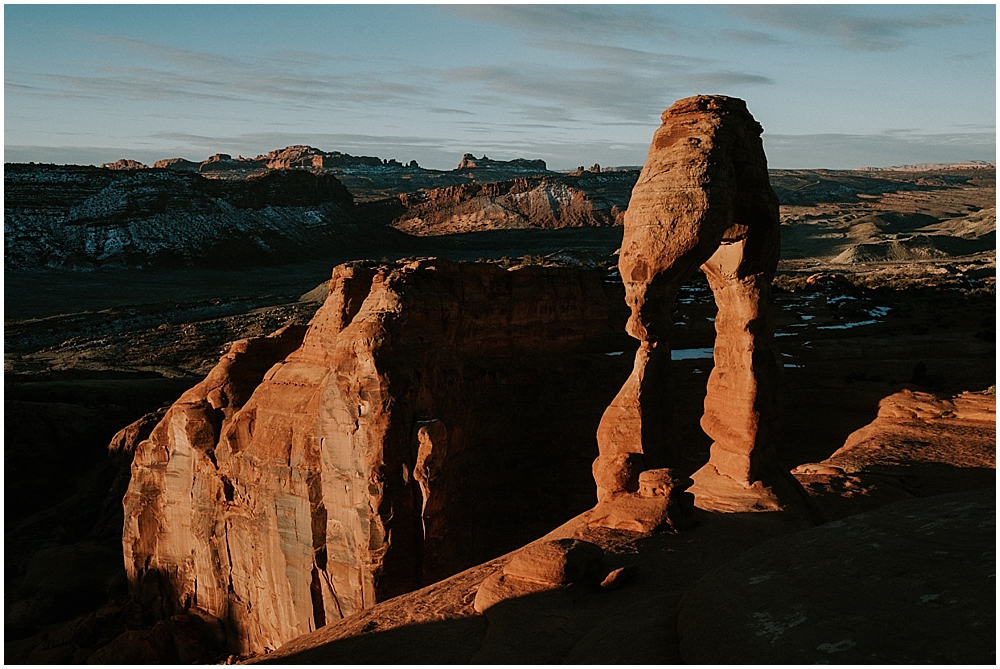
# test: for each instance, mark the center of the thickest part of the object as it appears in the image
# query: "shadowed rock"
(434, 416)
(906, 584)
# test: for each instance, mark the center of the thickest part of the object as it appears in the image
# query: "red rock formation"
(470, 162)
(703, 200)
(223, 162)
(919, 444)
(301, 156)
(167, 504)
(383, 452)
(177, 164)
(515, 203)
(124, 164)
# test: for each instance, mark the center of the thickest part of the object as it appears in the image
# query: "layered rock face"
(516, 203)
(434, 416)
(69, 216)
(703, 200)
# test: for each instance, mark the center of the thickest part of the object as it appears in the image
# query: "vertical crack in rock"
(703, 200)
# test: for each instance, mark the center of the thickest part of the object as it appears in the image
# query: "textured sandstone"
(73, 216)
(124, 164)
(919, 444)
(661, 502)
(542, 566)
(177, 164)
(167, 505)
(383, 453)
(517, 203)
(703, 200)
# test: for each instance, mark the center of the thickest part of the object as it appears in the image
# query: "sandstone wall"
(435, 415)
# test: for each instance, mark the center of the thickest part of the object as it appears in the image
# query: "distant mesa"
(470, 162)
(299, 156)
(926, 167)
(178, 164)
(124, 164)
(303, 156)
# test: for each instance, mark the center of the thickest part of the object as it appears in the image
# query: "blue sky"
(835, 86)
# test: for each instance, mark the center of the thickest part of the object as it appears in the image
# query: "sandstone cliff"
(178, 164)
(919, 444)
(382, 453)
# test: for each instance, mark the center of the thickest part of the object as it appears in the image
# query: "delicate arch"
(704, 200)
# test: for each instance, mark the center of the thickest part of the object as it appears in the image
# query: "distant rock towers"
(703, 200)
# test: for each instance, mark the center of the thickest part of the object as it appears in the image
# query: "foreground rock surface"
(914, 574)
(911, 583)
(920, 444)
(435, 415)
(535, 621)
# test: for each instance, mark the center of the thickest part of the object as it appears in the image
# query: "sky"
(834, 86)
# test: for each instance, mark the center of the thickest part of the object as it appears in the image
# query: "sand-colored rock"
(124, 164)
(703, 200)
(525, 202)
(168, 503)
(543, 566)
(660, 502)
(435, 415)
(920, 444)
(176, 164)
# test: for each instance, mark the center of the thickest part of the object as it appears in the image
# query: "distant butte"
(470, 162)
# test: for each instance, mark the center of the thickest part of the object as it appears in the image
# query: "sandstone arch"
(704, 200)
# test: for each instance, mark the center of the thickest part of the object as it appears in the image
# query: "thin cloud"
(846, 26)
(287, 77)
(975, 55)
(751, 37)
(621, 56)
(588, 22)
(549, 93)
(439, 110)
(846, 151)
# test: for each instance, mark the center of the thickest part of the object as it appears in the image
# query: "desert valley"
(312, 407)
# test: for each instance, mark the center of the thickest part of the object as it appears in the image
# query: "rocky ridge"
(85, 217)
(535, 202)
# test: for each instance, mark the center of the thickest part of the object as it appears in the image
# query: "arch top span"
(703, 200)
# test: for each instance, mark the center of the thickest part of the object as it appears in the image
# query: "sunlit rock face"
(703, 199)
(435, 415)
